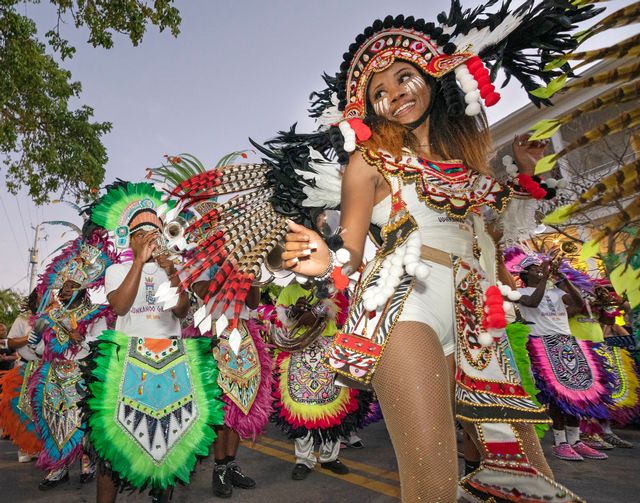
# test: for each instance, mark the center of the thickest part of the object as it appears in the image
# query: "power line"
(24, 227)
(13, 232)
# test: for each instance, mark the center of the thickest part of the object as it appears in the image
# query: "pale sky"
(239, 68)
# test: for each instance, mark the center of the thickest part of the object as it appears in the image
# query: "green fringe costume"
(518, 333)
(152, 407)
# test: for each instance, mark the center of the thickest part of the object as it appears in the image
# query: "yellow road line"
(363, 467)
(353, 478)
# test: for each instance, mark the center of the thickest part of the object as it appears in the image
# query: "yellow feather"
(552, 88)
(589, 249)
(560, 214)
(545, 129)
(546, 164)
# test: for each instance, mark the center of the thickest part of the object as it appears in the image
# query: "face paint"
(415, 85)
(382, 107)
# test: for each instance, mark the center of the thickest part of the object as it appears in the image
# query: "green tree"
(45, 145)
(10, 303)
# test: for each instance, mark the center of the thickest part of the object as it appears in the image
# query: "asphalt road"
(373, 477)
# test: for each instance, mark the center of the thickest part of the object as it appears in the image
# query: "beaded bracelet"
(327, 273)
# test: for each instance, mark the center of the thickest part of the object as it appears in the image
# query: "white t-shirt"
(145, 318)
(550, 317)
(22, 328)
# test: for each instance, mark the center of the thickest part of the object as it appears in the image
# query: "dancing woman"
(422, 176)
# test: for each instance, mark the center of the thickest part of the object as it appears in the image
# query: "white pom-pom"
(485, 339)
(301, 278)
(504, 290)
(552, 183)
(395, 270)
(506, 306)
(562, 183)
(370, 304)
(343, 256)
(349, 146)
(472, 97)
(387, 291)
(380, 299)
(514, 296)
(397, 260)
(469, 86)
(511, 169)
(465, 79)
(422, 271)
(507, 160)
(473, 109)
(394, 282)
(411, 268)
(368, 294)
(410, 258)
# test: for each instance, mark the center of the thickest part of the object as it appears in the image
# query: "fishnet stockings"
(412, 386)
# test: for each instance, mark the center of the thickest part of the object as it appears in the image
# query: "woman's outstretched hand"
(305, 251)
(527, 153)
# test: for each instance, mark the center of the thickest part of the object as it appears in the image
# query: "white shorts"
(432, 302)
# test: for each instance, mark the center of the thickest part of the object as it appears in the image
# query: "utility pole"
(33, 259)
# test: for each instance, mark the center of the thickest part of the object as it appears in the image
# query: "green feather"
(518, 333)
(111, 211)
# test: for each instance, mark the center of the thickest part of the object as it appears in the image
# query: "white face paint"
(382, 106)
(415, 85)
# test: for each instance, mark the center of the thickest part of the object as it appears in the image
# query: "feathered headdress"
(461, 49)
(83, 261)
(127, 207)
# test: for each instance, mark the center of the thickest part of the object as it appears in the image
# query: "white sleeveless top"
(437, 229)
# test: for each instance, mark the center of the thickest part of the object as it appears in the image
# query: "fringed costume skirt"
(152, 407)
(16, 414)
(569, 373)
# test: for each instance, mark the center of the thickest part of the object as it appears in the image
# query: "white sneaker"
(24, 458)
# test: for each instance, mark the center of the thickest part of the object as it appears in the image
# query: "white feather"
(476, 40)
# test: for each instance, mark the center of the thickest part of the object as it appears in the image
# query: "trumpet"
(172, 232)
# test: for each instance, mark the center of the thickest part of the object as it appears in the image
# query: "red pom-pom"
(340, 281)
(363, 133)
(486, 90)
(474, 64)
(482, 80)
(491, 99)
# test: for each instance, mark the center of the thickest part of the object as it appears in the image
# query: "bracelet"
(332, 263)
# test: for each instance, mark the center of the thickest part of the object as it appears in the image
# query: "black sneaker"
(161, 497)
(300, 472)
(47, 484)
(239, 479)
(85, 478)
(336, 467)
(222, 487)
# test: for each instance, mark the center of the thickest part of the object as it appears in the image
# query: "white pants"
(304, 451)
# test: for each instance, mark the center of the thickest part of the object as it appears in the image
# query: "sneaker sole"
(563, 458)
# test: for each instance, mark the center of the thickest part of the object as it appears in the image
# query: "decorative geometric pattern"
(156, 407)
(568, 362)
(63, 390)
(239, 373)
(310, 381)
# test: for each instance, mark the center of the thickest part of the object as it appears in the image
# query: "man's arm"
(121, 299)
(573, 298)
(534, 299)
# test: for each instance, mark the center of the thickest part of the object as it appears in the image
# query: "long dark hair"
(452, 137)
